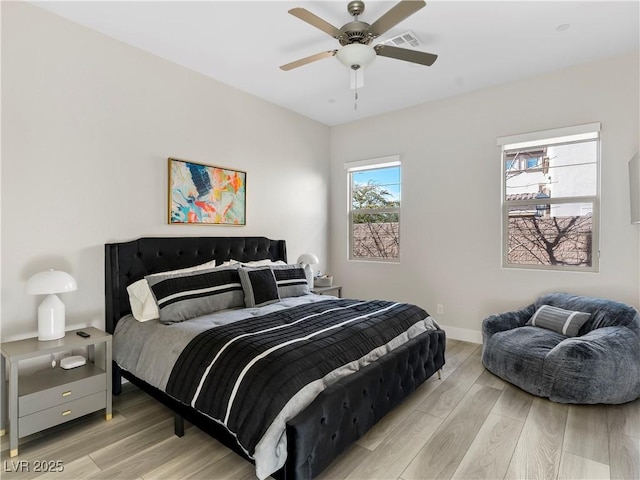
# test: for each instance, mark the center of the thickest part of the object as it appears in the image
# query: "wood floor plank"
(231, 466)
(379, 432)
(399, 448)
(447, 396)
(624, 440)
(346, 463)
(424, 390)
(587, 433)
(456, 353)
(442, 454)
(132, 411)
(574, 467)
(625, 418)
(133, 466)
(126, 447)
(203, 450)
(489, 454)
(624, 456)
(488, 379)
(459, 352)
(539, 449)
(142, 461)
(513, 403)
(130, 396)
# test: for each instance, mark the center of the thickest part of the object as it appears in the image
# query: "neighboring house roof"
(521, 196)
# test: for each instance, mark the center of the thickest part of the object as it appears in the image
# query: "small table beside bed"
(227, 335)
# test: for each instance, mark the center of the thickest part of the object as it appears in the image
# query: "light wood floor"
(468, 425)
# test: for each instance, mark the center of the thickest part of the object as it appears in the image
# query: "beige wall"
(451, 225)
(87, 125)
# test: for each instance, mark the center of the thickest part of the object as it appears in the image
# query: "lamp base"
(51, 319)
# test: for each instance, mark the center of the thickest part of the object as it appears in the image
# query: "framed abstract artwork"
(206, 195)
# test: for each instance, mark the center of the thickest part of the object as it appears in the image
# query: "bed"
(341, 412)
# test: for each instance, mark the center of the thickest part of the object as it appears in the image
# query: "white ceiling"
(479, 44)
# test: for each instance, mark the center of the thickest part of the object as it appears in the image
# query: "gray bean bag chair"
(600, 363)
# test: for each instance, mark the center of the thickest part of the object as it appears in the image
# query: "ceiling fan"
(355, 37)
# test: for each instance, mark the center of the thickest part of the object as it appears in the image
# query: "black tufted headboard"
(128, 262)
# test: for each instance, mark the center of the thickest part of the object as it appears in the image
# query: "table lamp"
(309, 259)
(51, 324)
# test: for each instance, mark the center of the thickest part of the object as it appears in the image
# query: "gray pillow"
(562, 321)
(259, 285)
(192, 294)
(291, 279)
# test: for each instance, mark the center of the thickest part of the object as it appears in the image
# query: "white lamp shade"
(309, 259)
(51, 281)
(356, 54)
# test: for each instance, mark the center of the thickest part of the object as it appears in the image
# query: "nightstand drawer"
(61, 413)
(61, 394)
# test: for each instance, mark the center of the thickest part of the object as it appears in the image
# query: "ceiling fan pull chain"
(355, 100)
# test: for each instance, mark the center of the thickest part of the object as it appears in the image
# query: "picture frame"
(202, 194)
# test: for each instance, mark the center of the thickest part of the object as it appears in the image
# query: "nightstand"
(326, 290)
(53, 396)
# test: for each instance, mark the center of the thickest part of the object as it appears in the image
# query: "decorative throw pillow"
(292, 280)
(259, 285)
(562, 321)
(192, 294)
(143, 305)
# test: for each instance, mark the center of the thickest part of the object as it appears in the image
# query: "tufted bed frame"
(337, 417)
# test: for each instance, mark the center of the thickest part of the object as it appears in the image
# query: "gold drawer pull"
(66, 394)
(66, 412)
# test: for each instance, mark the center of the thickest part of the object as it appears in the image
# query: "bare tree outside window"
(375, 214)
(550, 199)
(560, 241)
(375, 235)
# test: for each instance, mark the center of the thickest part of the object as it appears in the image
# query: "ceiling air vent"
(404, 40)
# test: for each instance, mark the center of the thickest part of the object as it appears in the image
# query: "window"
(374, 209)
(550, 198)
(525, 160)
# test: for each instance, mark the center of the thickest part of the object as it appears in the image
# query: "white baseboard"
(473, 336)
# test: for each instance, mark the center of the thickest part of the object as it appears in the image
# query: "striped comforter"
(243, 374)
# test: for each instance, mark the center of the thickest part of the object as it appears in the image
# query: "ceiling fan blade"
(309, 59)
(314, 20)
(394, 16)
(405, 54)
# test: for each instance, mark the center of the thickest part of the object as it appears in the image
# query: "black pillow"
(191, 294)
(259, 285)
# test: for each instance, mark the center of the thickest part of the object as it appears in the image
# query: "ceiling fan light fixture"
(356, 55)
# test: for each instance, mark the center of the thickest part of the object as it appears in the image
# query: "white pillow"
(255, 263)
(143, 305)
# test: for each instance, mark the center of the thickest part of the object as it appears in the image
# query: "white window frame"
(557, 136)
(371, 164)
